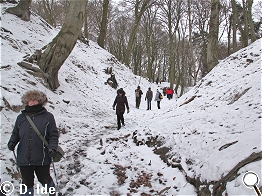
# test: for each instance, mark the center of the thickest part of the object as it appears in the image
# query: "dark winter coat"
(149, 95)
(31, 150)
(120, 103)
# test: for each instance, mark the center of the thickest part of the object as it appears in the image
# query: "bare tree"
(234, 24)
(57, 51)
(103, 26)
(22, 10)
(171, 16)
(250, 20)
(212, 47)
(149, 40)
(140, 7)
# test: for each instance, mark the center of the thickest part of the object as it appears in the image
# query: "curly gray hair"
(34, 95)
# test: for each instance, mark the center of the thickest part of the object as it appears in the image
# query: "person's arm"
(53, 133)
(114, 104)
(14, 139)
(126, 103)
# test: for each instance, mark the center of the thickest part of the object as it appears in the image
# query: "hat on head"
(149, 88)
(34, 95)
(138, 86)
(120, 91)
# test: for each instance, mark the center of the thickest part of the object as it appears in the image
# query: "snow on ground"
(103, 161)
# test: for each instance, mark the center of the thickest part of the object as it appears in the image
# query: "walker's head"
(34, 95)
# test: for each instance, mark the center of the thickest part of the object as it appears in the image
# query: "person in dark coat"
(164, 91)
(149, 97)
(121, 90)
(120, 103)
(32, 155)
(138, 93)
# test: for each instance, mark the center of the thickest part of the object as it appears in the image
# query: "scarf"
(34, 109)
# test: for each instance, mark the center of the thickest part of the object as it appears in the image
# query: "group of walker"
(121, 103)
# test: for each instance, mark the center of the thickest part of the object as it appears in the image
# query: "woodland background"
(175, 41)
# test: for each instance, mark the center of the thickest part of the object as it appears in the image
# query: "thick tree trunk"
(244, 32)
(212, 47)
(86, 24)
(102, 34)
(60, 48)
(22, 10)
(234, 24)
(250, 21)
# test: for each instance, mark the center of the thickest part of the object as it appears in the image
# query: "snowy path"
(106, 159)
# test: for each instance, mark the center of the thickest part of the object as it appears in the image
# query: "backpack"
(160, 96)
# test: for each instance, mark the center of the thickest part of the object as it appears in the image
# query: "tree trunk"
(250, 21)
(59, 49)
(138, 16)
(48, 12)
(234, 24)
(212, 47)
(244, 34)
(103, 27)
(22, 10)
(192, 61)
(86, 23)
(137, 54)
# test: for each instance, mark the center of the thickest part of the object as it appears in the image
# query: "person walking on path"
(138, 93)
(32, 155)
(164, 91)
(158, 99)
(149, 97)
(120, 103)
(168, 93)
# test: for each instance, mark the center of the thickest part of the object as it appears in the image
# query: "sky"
(207, 137)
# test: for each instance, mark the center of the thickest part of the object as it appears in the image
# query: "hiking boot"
(118, 128)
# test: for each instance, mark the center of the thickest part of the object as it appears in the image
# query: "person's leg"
(158, 104)
(43, 176)
(27, 173)
(138, 102)
(118, 122)
(148, 102)
(122, 119)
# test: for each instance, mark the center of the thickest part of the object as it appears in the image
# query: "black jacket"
(120, 103)
(31, 150)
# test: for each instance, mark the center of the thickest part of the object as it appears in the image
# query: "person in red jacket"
(168, 93)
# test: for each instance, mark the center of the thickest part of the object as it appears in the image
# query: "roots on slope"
(202, 187)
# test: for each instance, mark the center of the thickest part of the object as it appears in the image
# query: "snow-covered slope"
(217, 124)
(101, 160)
